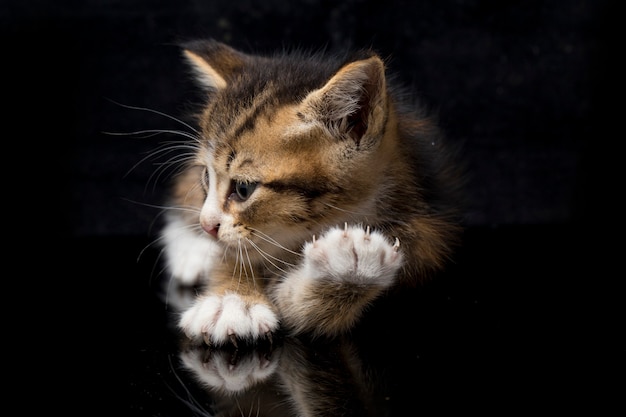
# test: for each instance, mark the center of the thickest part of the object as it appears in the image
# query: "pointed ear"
(353, 102)
(213, 63)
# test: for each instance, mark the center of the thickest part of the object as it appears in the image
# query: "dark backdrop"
(517, 83)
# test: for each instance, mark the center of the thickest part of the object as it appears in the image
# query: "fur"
(312, 188)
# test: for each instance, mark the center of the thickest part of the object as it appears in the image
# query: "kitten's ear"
(214, 63)
(353, 102)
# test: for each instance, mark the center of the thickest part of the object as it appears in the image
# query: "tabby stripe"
(307, 190)
(264, 103)
(247, 125)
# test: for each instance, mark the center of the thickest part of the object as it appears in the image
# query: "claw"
(345, 229)
(233, 339)
(264, 360)
(313, 240)
(206, 356)
(234, 358)
(207, 339)
(396, 245)
(367, 233)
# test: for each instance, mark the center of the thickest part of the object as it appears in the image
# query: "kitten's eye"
(243, 190)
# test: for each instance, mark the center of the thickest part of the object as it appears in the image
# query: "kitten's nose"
(211, 229)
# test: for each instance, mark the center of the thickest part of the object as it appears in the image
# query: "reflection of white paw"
(226, 371)
(218, 319)
(353, 254)
(189, 256)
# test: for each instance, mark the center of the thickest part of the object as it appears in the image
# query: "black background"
(520, 85)
(528, 88)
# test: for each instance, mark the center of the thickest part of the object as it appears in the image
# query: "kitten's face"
(289, 147)
(281, 181)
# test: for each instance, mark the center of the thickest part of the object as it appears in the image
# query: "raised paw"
(218, 319)
(354, 254)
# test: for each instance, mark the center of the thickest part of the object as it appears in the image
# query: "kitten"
(312, 187)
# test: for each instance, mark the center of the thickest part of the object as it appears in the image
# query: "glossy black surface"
(498, 332)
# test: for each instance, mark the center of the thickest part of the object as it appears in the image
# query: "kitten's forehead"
(269, 131)
(239, 120)
(267, 84)
(272, 148)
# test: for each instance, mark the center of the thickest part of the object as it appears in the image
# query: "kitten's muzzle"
(211, 229)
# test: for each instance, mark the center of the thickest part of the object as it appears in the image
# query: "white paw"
(353, 254)
(219, 319)
(189, 256)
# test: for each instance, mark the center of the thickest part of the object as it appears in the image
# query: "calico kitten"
(312, 187)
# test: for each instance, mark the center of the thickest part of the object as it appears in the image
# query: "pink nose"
(211, 229)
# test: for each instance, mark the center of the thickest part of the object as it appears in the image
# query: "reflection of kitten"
(310, 189)
(231, 370)
(303, 377)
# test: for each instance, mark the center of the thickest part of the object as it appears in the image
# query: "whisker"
(250, 265)
(267, 256)
(190, 401)
(271, 240)
(356, 213)
(188, 126)
(238, 262)
(155, 132)
(154, 273)
(171, 146)
(262, 252)
(176, 161)
(164, 208)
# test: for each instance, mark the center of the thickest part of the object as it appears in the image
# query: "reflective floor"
(492, 334)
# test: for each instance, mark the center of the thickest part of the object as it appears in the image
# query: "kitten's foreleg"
(342, 272)
(189, 254)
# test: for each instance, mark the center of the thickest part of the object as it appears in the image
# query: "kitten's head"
(290, 144)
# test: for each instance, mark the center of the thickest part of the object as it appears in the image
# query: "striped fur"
(291, 146)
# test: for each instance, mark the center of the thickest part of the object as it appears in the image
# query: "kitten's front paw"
(354, 255)
(220, 319)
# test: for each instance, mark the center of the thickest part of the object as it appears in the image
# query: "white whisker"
(155, 132)
(237, 263)
(190, 209)
(164, 149)
(267, 257)
(175, 161)
(188, 126)
(262, 252)
(190, 401)
(272, 241)
(250, 265)
(355, 213)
